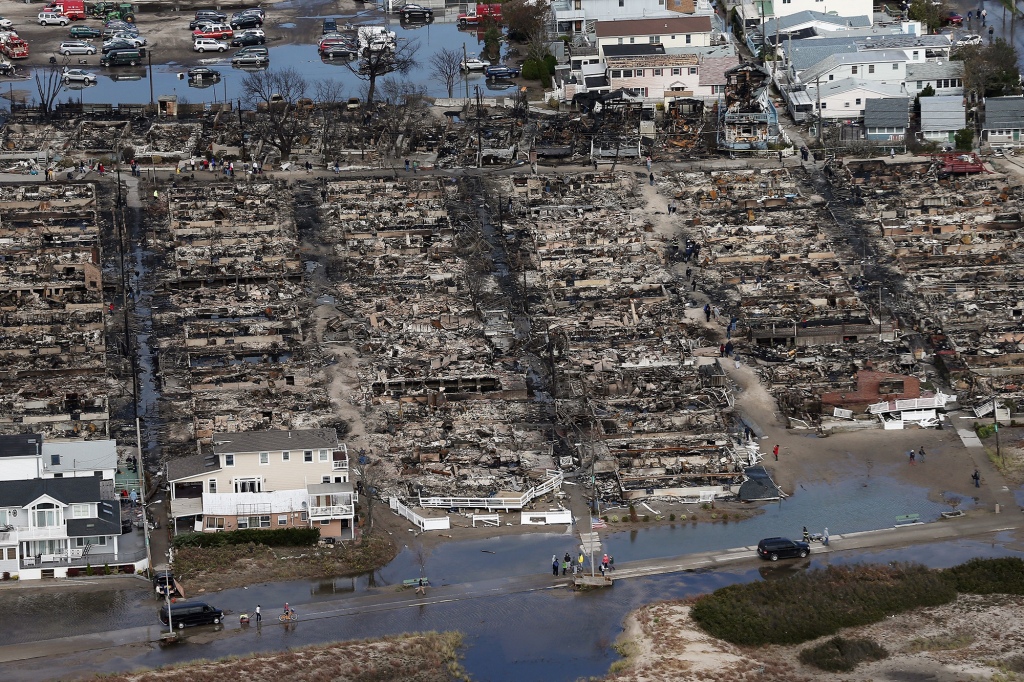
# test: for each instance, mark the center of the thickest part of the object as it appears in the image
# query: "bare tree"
(276, 96)
(330, 98)
(49, 84)
(371, 475)
(526, 19)
(376, 63)
(403, 101)
(447, 67)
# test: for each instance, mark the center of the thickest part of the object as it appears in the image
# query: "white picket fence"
(553, 482)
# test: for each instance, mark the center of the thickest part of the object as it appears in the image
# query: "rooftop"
(260, 441)
(891, 112)
(653, 27)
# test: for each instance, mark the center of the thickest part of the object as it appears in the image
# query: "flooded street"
(546, 634)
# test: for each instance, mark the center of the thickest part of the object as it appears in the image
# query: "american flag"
(597, 523)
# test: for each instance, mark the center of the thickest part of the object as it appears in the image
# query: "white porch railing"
(340, 466)
(553, 482)
(422, 522)
(44, 533)
(337, 511)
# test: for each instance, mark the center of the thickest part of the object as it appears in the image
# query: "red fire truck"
(480, 14)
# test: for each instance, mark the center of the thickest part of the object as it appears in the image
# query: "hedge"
(278, 537)
(841, 655)
(988, 576)
(818, 603)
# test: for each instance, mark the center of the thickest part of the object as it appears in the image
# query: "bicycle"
(289, 617)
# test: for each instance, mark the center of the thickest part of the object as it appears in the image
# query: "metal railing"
(335, 511)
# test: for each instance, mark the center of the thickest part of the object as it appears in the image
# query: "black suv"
(774, 549)
(248, 21)
(207, 15)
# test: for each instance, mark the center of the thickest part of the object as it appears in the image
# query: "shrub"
(988, 576)
(88, 569)
(106, 569)
(73, 572)
(647, 517)
(128, 568)
(671, 517)
(614, 519)
(550, 62)
(841, 655)
(817, 603)
(278, 537)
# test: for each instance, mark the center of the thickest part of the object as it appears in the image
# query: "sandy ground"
(426, 657)
(973, 638)
(167, 32)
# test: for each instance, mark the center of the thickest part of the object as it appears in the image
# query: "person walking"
(824, 537)
(604, 561)
(807, 536)
(651, 178)
(554, 565)
(581, 562)
(912, 455)
(134, 497)
(259, 616)
(421, 588)
(775, 451)
(649, 163)
(984, 17)
(976, 477)
(565, 567)
(920, 454)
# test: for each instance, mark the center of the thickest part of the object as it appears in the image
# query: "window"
(45, 515)
(617, 73)
(325, 522)
(213, 486)
(304, 516)
(657, 72)
(622, 3)
(254, 521)
(264, 458)
(831, 76)
(871, 68)
(215, 522)
(578, 4)
(80, 511)
(100, 541)
(627, 73)
(620, 39)
(824, 105)
(3, 517)
(858, 101)
(896, 67)
(229, 460)
(693, 70)
(920, 85)
(846, 104)
(55, 460)
(655, 39)
(307, 455)
(325, 479)
(58, 475)
(282, 520)
(676, 71)
(916, 53)
(853, 70)
(717, 89)
(688, 38)
(286, 456)
(325, 455)
(632, 39)
(248, 485)
(12, 553)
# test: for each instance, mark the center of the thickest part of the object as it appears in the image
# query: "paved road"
(386, 599)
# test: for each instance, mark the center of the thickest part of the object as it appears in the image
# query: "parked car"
(338, 50)
(211, 14)
(203, 23)
(247, 39)
(47, 18)
(953, 19)
(112, 27)
(774, 549)
(78, 76)
(330, 26)
(251, 56)
(209, 45)
(163, 584)
(188, 613)
(474, 63)
(501, 71)
(110, 45)
(417, 12)
(970, 39)
(247, 21)
(69, 47)
(253, 32)
(217, 32)
(135, 39)
(203, 73)
(124, 58)
(6, 23)
(84, 32)
(250, 11)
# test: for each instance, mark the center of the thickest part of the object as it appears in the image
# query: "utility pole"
(995, 422)
(879, 312)
(149, 55)
(465, 71)
(817, 93)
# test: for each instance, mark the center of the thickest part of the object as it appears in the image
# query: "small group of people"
(823, 537)
(131, 497)
(914, 456)
(569, 566)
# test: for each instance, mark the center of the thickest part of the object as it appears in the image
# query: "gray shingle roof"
(186, 467)
(66, 490)
(20, 445)
(107, 523)
(262, 441)
(852, 58)
(783, 24)
(893, 112)
(942, 113)
(1004, 113)
(929, 71)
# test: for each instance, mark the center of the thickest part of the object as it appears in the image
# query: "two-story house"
(753, 13)
(265, 479)
(670, 32)
(58, 510)
(580, 16)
